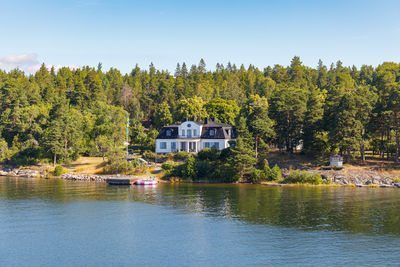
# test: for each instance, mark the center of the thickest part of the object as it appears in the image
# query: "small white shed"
(336, 161)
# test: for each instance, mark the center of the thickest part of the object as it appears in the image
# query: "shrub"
(189, 168)
(257, 176)
(118, 166)
(304, 177)
(205, 170)
(226, 173)
(167, 166)
(211, 154)
(276, 173)
(149, 155)
(58, 170)
(181, 155)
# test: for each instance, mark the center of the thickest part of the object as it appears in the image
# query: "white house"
(192, 136)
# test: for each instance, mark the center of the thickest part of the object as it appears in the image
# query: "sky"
(121, 33)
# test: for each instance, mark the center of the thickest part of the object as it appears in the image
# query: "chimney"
(206, 121)
(185, 119)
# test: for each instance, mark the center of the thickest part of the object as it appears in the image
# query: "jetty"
(121, 180)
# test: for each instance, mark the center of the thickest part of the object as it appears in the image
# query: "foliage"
(58, 170)
(303, 177)
(59, 115)
(222, 110)
(181, 155)
(276, 173)
(149, 155)
(266, 174)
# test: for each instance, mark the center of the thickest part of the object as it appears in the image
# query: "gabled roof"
(221, 130)
(173, 130)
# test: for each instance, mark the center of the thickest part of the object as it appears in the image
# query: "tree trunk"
(256, 146)
(397, 147)
(362, 149)
(387, 147)
(382, 149)
(55, 159)
(348, 155)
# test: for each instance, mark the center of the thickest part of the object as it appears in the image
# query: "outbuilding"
(336, 161)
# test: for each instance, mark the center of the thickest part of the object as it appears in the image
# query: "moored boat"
(146, 182)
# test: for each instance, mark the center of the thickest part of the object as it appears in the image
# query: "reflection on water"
(356, 210)
(53, 222)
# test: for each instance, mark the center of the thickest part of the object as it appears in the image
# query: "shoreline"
(346, 177)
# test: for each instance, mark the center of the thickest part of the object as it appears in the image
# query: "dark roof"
(164, 130)
(220, 130)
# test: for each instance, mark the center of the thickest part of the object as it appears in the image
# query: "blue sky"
(122, 33)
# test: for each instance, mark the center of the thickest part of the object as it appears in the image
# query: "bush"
(257, 176)
(58, 170)
(304, 177)
(181, 155)
(118, 166)
(226, 173)
(211, 154)
(149, 155)
(276, 173)
(167, 166)
(205, 170)
(189, 168)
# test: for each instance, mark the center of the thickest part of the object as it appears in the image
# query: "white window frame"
(163, 145)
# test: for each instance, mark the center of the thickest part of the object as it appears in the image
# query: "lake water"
(66, 223)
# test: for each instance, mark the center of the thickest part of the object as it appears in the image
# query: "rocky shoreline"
(99, 178)
(84, 177)
(354, 177)
(17, 172)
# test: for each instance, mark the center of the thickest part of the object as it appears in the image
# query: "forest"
(56, 116)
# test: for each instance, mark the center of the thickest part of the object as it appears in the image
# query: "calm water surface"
(64, 223)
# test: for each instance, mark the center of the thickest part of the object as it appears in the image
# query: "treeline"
(61, 115)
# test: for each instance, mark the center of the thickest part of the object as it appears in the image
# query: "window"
(194, 132)
(163, 145)
(212, 132)
(189, 125)
(214, 145)
(168, 132)
(189, 133)
(183, 132)
(173, 146)
(206, 144)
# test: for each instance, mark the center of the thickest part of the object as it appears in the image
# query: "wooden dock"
(121, 181)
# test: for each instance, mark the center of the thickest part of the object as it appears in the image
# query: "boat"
(146, 182)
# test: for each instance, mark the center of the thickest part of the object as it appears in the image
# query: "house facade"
(193, 136)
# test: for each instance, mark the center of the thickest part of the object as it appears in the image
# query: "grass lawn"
(85, 165)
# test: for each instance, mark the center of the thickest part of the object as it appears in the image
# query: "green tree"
(243, 156)
(191, 107)
(224, 111)
(162, 116)
(288, 109)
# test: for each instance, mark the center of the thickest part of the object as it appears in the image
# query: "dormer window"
(212, 132)
(168, 133)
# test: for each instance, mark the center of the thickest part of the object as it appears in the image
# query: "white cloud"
(27, 62)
